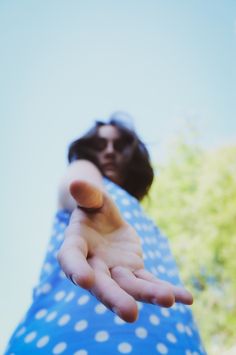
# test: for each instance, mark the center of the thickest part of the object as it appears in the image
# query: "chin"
(113, 177)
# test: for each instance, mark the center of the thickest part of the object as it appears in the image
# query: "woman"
(112, 250)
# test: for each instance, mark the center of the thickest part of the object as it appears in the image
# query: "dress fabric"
(66, 319)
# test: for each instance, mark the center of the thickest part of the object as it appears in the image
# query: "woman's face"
(110, 146)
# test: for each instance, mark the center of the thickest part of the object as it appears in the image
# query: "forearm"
(82, 170)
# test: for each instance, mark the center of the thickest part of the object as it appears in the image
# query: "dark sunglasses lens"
(120, 145)
(123, 143)
(99, 144)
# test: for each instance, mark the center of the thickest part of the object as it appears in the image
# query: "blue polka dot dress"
(66, 319)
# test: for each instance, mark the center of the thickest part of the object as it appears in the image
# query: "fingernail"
(73, 279)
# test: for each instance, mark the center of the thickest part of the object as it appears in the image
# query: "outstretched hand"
(102, 253)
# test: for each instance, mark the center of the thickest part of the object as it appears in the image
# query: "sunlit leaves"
(193, 200)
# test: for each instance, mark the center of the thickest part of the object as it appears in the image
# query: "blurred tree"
(193, 200)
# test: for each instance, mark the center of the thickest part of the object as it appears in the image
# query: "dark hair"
(139, 174)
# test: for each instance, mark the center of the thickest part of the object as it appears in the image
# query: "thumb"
(86, 194)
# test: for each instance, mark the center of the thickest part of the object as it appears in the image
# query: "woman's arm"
(102, 252)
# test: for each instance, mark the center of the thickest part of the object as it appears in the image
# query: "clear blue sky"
(64, 63)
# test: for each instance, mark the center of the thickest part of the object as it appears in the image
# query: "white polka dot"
(154, 241)
(81, 325)
(174, 307)
(60, 237)
(50, 248)
(188, 331)
(118, 320)
(59, 295)
(70, 296)
(163, 245)
(108, 187)
(172, 272)
(21, 331)
(188, 352)
(47, 267)
(120, 192)
(42, 341)
(59, 348)
(46, 288)
(62, 274)
(125, 201)
(141, 332)
(101, 336)
(154, 319)
(100, 308)
(64, 320)
(81, 352)
(137, 226)
(127, 215)
(83, 300)
(165, 312)
(140, 305)
(201, 348)
(171, 337)
(182, 308)
(51, 316)
(180, 327)
(40, 314)
(162, 348)
(151, 254)
(30, 337)
(124, 348)
(195, 353)
(145, 227)
(161, 269)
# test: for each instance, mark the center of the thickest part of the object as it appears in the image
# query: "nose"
(110, 148)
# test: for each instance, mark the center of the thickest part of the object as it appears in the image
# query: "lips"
(109, 166)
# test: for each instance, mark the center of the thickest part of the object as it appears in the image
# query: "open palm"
(102, 253)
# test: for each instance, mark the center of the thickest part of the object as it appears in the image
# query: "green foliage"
(193, 200)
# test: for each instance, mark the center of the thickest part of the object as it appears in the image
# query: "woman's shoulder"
(123, 199)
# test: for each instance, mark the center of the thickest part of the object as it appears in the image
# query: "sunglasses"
(100, 144)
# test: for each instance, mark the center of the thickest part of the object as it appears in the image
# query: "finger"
(143, 290)
(181, 294)
(86, 194)
(72, 258)
(110, 294)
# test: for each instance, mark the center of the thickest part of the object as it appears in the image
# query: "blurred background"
(171, 67)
